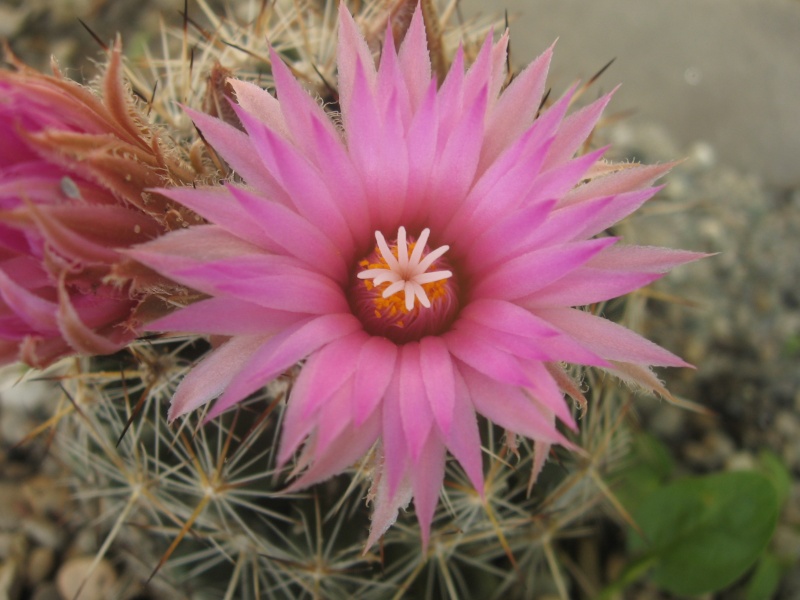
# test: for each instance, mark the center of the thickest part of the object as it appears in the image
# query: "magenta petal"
(293, 233)
(39, 314)
(439, 381)
(530, 272)
(209, 378)
(376, 365)
(426, 481)
(281, 352)
(415, 410)
(485, 358)
(609, 340)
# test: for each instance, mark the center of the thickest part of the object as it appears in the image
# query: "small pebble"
(76, 575)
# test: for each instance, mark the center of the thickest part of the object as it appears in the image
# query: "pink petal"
(544, 389)
(515, 109)
(218, 206)
(415, 410)
(261, 104)
(237, 150)
(486, 358)
(643, 259)
(301, 181)
(464, 439)
(209, 378)
(509, 407)
(294, 234)
(530, 272)
(575, 130)
(607, 339)
(587, 286)
(393, 438)
(631, 177)
(298, 108)
(376, 366)
(281, 352)
(426, 481)
(350, 445)
(439, 381)
(225, 316)
(562, 178)
(39, 314)
(415, 62)
(352, 50)
(80, 337)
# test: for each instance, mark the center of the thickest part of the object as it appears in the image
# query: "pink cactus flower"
(73, 168)
(426, 260)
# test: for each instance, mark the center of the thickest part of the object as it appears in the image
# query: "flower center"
(403, 290)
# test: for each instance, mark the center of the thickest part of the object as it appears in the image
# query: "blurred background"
(714, 82)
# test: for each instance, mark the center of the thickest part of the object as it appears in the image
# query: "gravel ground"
(739, 324)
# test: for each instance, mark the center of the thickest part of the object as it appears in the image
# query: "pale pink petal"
(643, 259)
(391, 84)
(39, 314)
(261, 104)
(395, 448)
(609, 340)
(81, 337)
(387, 503)
(628, 178)
(422, 142)
(450, 99)
(415, 62)
(352, 50)
(217, 205)
(587, 286)
(209, 378)
(426, 481)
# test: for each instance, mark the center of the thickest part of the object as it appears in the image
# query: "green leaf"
(649, 467)
(705, 532)
(772, 466)
(766, 579)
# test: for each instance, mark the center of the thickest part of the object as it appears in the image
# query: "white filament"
(407, 273)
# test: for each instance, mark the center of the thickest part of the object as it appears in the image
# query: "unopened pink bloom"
(73, 169)
(426, 262)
